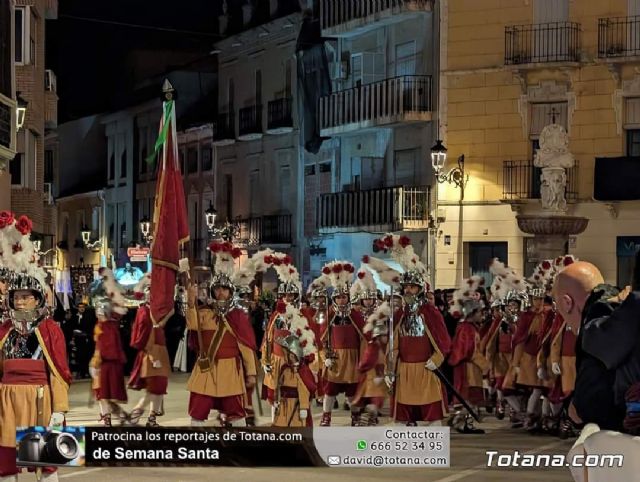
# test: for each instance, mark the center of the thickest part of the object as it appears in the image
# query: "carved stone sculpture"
(554, 158)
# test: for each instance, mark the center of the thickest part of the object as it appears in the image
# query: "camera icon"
(51, 448)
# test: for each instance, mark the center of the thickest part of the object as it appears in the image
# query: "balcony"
(542, 43)
(224, 130)
(273, 230)
(521, 182)
(7, 131)
(347, 18)
(377, 210)
(250, 123)
(279, 118)
(385, 103)
(618, 38)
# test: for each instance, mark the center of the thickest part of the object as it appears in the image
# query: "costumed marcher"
(466, 358)
(342, 342)
(34, 375)
(318, 315)
(289, 291)
(533, 326)
(152, 365)
(419, 341)
(295, 381)
(372, 390)
(107, 364)
(224, 374)
(557, 356)
(497, 344)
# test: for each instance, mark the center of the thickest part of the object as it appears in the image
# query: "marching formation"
(391, 354)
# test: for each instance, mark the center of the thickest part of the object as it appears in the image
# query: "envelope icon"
(333, 460)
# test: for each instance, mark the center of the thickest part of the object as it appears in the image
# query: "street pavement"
(468, 452)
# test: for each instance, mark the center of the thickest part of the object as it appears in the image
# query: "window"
(20, 29)
(633, 142)
(285, 188)
(48, 165)
(192, 160)
(287, 78)
(405, 167)
(207, 158)
(325, 167)
(16, 167)
(542, 115)
(6, 62)
(231, 94)
(254, 192)
(228, 191)
(95, 221)
(33, 29)
(406, 58)
(258, 87)
(143, 152)
(123, 164)
(111, 167)
(310, 170)
(80, 220)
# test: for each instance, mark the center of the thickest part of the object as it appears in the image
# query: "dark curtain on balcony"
(313, 79)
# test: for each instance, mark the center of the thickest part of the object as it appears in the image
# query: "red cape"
(522, 332)
(240, 324)
(435, 323)
(464, 343)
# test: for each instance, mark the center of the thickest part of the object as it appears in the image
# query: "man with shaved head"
(607, 351)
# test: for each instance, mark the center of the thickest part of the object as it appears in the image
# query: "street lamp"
(37, 244)
(145, 229)
(21, 112)
(86, 239)
(455, 175)
(227, 232)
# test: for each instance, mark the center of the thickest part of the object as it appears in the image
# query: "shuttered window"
(542, 115)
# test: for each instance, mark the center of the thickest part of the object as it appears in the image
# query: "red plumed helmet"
(326, 270)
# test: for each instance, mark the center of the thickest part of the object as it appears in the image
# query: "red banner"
(170, 227)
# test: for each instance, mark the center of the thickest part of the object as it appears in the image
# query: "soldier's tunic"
(527, 341)
(272, 352)
(232, 358)
(563, 352)
(372, 388)
(317, 319)
(151, 344)
(347, 341)
(419, 394)
(27, 384)
(110, 359)
(498, 350)
(295, 391)
(468, 363)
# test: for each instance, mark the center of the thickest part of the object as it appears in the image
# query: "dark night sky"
(89, 57)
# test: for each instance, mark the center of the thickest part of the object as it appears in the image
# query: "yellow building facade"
(508, 68)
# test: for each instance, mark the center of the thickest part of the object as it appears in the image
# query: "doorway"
(480, 256)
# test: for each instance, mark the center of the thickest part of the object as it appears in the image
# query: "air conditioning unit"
(48, 193)
(50, 81)
(340, 70)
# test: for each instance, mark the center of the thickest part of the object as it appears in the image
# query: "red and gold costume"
(151, 368)
(527, 341)
(372, 388)
(296, 387)
(419, 394)
(347, 342)
(231, 356)
(29, 386)
(561, 347)
(272, 353)
(468, 363)
(109, 358)
(498, 350)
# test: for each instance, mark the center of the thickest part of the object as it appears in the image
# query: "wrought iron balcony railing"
(541, 43)
(224, 128)
(338, 12)
(279, 115)
(521, 181)
(618, 37)
(384, 102)
(389, 208)
(250, 120)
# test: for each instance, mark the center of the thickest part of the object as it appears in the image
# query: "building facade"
(8, 106)
(373, 174)
(507, 70)
(257, 154)
(32, 169)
